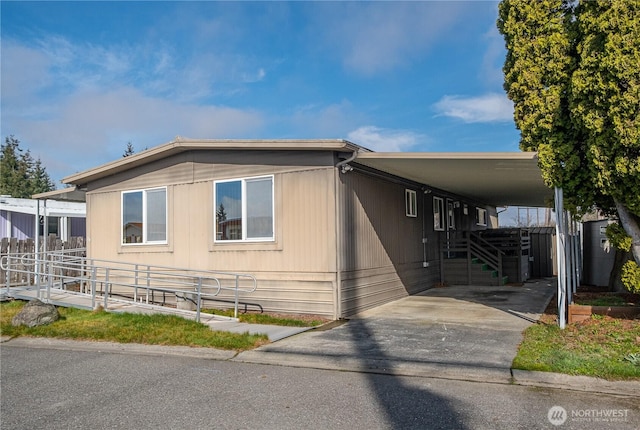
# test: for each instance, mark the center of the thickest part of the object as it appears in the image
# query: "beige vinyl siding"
(296, 272)
(381, 248)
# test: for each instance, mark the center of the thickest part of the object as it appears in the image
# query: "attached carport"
(496, 178)
(452, 332)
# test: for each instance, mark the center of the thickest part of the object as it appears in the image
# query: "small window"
(411, 203)
(438, 212)
(144, 216)
(244, 209)
(481, 216)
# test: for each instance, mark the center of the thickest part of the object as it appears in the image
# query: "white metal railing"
(125, 282)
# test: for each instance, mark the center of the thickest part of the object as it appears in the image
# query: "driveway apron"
(458, 332)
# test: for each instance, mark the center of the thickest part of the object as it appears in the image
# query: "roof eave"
(181, 144)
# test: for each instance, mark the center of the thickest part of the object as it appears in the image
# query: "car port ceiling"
(499, 179)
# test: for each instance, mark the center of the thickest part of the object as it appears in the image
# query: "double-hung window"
(144, 216)
(244, 209)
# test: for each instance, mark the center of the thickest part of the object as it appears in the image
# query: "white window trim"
(243, 188)
(145, 224)
(438, 203)
(479, 218)
(411, 203)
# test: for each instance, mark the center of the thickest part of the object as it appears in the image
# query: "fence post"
(135, 288)
(199, 300)
(7, 272)
(148, 282)
(235, 309)
(83, 284)
(106, 287)
(49, 279)
(93, 287)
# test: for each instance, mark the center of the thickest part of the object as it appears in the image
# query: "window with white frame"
(438, 213)
(411, 203)
(144, 216)
(244, 209)
(481, 216)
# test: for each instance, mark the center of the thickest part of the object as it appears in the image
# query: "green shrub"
(631, 276)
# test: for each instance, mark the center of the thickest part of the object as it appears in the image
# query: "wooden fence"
(27, 246)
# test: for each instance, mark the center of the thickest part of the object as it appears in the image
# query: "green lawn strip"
(128, 328)
(255, 318)
(599, 347)
(602, 301)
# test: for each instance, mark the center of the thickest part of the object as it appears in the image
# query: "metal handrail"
(490, 254)
(62, 267)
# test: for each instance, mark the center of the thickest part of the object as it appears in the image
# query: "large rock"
(36, 313)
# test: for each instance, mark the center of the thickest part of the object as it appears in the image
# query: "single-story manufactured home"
(19, 218)
(326, 226)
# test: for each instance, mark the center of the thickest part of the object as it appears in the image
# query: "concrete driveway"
(460, 332)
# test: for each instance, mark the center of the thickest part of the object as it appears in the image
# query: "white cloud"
(384, 140)
(92, 127)
(493, 59)
(24, 72)
(490, 107)
(77, 105)
(322, 121)
(373, 37)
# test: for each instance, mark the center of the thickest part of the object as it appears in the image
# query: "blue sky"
(81, 79)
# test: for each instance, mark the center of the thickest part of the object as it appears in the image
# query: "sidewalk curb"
(120, 348)
(575, 382)
(387, 367)
(377, 366)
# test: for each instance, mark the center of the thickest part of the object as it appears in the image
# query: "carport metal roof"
(496, 178)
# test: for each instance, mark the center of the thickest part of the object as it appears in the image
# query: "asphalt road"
(70, 389)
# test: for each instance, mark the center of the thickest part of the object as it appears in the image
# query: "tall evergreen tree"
(40, 180)
(129, 150)
(20, 175)
(572, 72)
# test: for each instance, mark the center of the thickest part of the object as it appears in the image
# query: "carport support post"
(569, 271)
(562, 262)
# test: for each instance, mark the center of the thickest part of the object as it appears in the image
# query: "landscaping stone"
(36, 313)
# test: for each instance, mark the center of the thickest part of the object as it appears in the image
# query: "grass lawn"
(128, 328)
(273, 319)
(602, 346)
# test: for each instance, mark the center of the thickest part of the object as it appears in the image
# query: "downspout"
(344, 167)
(344, 164)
